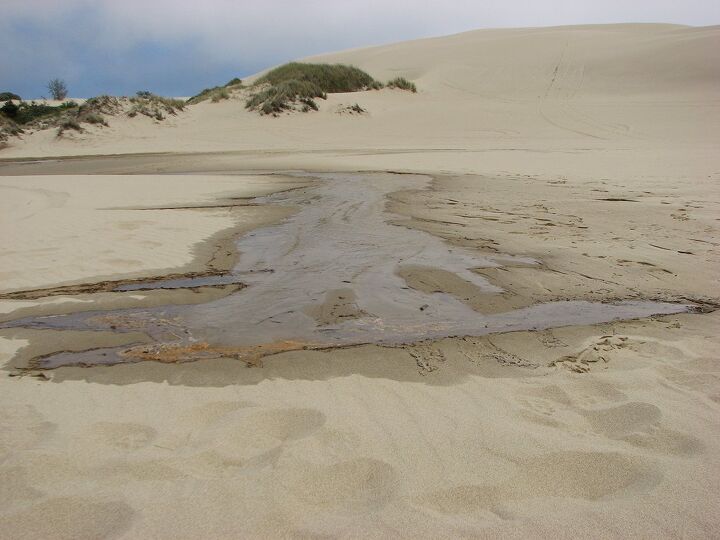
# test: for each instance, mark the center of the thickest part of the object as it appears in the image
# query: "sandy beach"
(487, 309)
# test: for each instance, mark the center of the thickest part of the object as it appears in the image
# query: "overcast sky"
(177, 47)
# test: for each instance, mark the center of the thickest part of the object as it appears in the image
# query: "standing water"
(327, 276)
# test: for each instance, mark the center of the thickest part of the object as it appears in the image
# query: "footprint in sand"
(278, 425)
(589, 476)
(547, 404)
(15, 489)
(212, 464)
(21, 428)
(355, 486)
(639, 424)
(125, 470)
(255, 439)
(209, 413)
(123, 436)
(635, 423)
(699, 375)
(68, 517)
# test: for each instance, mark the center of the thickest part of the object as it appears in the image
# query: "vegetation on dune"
(68, 124)
(25, 113)
(217, 93)
(330, 78)
(273, 99)
(296, 85)
(7, 96)
(8, 129)
(101, 105)
(25, 117)
(153, 106)
(403, 84)
(352, 109)
(95, 119)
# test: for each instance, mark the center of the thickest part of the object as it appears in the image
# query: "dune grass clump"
(69, 124)
(153, 106)
(273, 99)
(402, 83)
(8, 128)
(217, 93)
(101, 105)
(297, 85)
(93, 118)
(94, 109)
(330, 78)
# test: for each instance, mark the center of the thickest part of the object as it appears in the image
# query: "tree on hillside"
(58, 89)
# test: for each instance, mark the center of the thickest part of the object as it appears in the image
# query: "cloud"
(178, 47)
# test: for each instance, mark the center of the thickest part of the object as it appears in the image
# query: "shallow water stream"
(327, 276)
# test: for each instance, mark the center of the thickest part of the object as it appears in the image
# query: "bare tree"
(58, 89)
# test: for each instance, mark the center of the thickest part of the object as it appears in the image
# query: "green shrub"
(29, 112)
(289, 85)
(10, 110)
(330, 78)
(403, 84)
(6, 96)
(234, 82)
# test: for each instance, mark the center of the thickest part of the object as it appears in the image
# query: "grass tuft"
(153, 106)
(67, 125)
(296, 86)
(273, 99)
(402, 84)
(93, 118)
(217, 93)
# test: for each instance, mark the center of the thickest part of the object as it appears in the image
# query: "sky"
(177, 47)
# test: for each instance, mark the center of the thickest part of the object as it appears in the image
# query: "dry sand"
(591, 150)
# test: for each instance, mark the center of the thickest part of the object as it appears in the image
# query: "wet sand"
(336, 273)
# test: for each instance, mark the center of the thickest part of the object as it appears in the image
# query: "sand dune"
(553, 169)
(638, 85)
